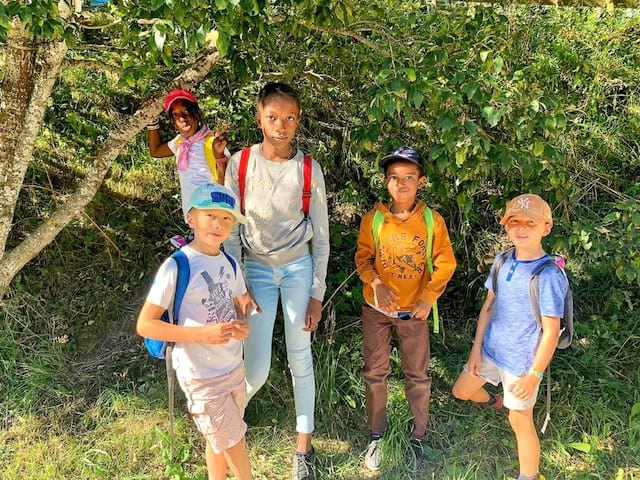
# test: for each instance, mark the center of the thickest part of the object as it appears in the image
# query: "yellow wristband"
(536, 373)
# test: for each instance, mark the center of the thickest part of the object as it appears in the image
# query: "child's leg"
(295, 288)
(238, 459)
(527, 440)
(216, 464)
(413, 336)
(468, 387)
(257, 346)
(376, 335)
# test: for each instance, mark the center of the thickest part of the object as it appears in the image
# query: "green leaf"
(582, 447)
(411, 74)
(470, 89)
(535, 105)
(492, 114)
(446, 121)
(484, 54)
(222, 44)
(538, 148)
(159, 38)
(221, 4)
(461, 156)
(418, 98)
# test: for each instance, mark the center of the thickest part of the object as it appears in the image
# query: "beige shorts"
(496, 375)
(217, 406)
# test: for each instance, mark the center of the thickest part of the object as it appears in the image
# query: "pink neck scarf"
(183, 149)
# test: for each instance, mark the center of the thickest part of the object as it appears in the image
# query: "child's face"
(211, 227)
(278, 118)
(403, 179)
(525, 232)
(182, 119)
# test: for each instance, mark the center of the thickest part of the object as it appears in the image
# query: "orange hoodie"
(400, 260)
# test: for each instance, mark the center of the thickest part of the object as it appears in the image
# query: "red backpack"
(306, 181)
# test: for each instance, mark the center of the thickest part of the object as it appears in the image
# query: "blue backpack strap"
(184, 272)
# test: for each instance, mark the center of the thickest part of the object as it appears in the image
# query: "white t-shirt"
(197, 173)
(208, 299)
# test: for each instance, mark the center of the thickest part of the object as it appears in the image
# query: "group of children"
(272, 216)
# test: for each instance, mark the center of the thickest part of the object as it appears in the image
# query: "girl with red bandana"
(196, 147)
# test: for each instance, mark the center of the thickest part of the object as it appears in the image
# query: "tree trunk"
(15, 94)
(13, 261)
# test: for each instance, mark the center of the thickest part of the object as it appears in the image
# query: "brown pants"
(413, 336)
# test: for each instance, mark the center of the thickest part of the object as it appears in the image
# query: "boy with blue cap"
(207, 355)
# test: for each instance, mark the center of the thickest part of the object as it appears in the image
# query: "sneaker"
(414, 454)
(304, 465)
(373, 454)
(498, 401)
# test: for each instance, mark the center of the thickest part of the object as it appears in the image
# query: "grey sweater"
(277, 231)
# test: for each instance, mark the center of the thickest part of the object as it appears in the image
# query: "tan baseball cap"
(531, 206)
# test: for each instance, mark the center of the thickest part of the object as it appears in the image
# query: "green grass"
(57, 424)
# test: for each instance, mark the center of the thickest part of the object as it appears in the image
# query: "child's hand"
(524, 387)
(387, 299)
(220, 139)
(314, 314)
(216, 334)
(240, 329)
(421, 310)
(245, 303)
(474, 362)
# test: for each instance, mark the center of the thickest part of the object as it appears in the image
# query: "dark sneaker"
(304, 465)
(373, 454)
(414, 454)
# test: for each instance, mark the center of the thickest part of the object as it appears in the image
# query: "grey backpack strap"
(534, 295)
(171, 389)
(497, 264)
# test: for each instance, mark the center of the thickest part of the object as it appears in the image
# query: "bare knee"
(521, 420)
(459, 392)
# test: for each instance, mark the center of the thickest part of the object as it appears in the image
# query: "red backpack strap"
(306, 184)
(242, 174)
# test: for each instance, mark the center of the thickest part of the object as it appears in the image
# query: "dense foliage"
(500, 100)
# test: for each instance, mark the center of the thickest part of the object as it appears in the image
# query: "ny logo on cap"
(523, 203)
(219, 197)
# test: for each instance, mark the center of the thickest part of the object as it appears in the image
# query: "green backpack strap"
(428, 219)
(376, 227)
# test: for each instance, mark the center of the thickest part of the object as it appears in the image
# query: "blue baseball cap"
(212, 195)
(403, 153)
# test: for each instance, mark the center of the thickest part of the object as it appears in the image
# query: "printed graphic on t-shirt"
(219, 303)
(403, 256)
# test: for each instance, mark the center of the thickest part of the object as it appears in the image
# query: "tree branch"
(13, 261)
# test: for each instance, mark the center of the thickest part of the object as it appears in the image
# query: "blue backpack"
(158, 348)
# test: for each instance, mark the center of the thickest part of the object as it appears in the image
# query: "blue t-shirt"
(513, 334)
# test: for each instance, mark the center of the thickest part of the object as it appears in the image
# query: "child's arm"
(385, 298)
(150, 325)
(475, 357)
(525, 386)
(157, 147)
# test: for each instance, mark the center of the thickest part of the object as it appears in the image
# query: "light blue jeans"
(292, 284)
